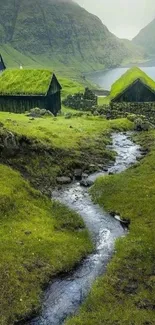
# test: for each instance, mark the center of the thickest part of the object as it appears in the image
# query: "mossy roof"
(127, 79)
(25, 82)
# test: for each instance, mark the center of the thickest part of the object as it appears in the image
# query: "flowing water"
(65, 294)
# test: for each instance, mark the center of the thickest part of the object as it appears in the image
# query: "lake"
(105, 79)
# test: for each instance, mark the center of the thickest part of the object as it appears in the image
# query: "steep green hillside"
(146, 38)
(59, 34)
(14, 58)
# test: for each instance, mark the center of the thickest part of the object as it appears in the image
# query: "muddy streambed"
(64, 295)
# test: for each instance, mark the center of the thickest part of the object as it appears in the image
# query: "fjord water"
(65, 294)
(105, 79)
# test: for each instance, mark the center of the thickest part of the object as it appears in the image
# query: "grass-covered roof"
(25, 82)
(128, 79)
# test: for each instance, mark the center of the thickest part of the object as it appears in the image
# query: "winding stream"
(64, 295)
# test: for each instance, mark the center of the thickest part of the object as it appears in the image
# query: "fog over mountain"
(124, 18)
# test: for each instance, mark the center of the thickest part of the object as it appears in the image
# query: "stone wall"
(81, 101)
(146, 109)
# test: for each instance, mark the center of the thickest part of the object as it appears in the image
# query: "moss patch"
(126, 294)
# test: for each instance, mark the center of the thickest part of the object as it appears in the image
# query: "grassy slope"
(14, 58)
(38, 238)
(33, 231)
(70, 87)
(126, 294)
(128, 78)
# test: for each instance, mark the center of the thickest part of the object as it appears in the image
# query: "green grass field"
(40, 238)
(126, 294)
(57, 131)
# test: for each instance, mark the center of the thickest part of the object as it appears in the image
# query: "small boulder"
(86, 182)
(84, 176)
(27, 232)
(63, 180)
(78, 174)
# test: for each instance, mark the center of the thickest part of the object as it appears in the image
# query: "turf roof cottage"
(134, 86)
(21, 90)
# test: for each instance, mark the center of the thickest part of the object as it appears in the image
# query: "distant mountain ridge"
(59, 33)
(146, 38)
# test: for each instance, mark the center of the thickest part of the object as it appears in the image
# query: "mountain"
(59, 34)
(146, 38)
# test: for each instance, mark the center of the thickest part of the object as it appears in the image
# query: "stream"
(65, 294)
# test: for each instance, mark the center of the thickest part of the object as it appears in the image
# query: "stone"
(78, 174)
(84, 176)
(27, 232)
(110, 173)
(86, 182)
(37, 112)
(80, 101)
(64, 180)
(68, 115)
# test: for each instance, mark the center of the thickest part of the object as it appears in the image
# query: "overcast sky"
(124, 18)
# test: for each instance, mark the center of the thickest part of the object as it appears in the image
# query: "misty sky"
(123, 17)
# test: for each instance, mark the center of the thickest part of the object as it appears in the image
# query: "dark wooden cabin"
(2, 64)
(22, 90)
(134, 86)
(138, 91)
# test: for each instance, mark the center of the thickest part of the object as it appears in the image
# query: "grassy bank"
(39, 239)
(126, 294)
(51, 147)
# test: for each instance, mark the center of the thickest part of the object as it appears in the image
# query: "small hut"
(22, 90)
(133, 87)
(2, 64)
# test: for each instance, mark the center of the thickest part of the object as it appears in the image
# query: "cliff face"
(59, 31)
(146, 38)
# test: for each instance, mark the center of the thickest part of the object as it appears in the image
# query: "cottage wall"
(21, 104)
(53, 103)
(137, 92)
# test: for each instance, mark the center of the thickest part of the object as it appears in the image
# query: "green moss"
(39, 239)
(128, 78)
(34, 81)
(27, 82)
(125, 295)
